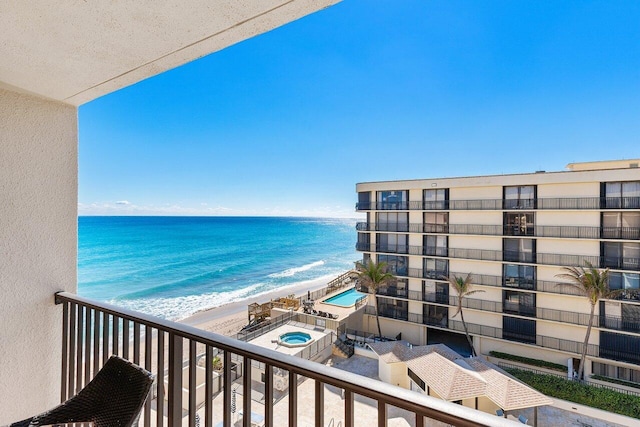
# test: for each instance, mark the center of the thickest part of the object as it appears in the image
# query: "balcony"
(620, 263)
(516, 308)
(568, 346)
(614, 323)
(383, 206)
(559, 231)
(393, 312)
(92, 331)
(551, 203)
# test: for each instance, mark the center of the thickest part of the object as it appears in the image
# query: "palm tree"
(374, 276)
(463, 289)
(594, 284)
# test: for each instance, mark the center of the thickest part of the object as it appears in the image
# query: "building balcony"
(615, 263)
(551, 203)
(518, 309)
(92, 331)
(517, 283)
(556, 231)
(568, 346)
(620, 263)
(614, 323)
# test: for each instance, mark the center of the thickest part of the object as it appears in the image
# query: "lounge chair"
(113, 398)
(500, 413)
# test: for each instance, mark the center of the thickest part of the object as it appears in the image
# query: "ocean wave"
(178, 308)
(292, 271)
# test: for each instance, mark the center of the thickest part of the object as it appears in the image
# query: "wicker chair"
(114, 398)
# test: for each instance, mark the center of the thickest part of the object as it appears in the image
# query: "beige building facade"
(513, 233)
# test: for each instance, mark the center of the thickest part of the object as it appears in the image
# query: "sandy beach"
(228, 319)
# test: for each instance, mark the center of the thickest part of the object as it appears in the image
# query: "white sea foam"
(178, 308)
(292, 271)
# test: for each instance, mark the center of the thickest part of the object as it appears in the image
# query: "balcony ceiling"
(75, 51)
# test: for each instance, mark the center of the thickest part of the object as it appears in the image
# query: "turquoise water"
(346, 298)
(173, 267)
(295, 337)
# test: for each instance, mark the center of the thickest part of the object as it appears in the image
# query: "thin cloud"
(128, 208)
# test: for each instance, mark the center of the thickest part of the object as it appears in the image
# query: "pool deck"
(342, 312)
(267, 340)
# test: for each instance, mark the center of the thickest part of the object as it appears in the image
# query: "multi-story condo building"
(513, 233)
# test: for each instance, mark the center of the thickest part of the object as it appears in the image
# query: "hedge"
(601, 398)
(615, 381)
(529, 361)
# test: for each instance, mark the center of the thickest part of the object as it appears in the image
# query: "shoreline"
(228, 319)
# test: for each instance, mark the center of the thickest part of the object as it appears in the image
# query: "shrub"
(529, 361)
(615, 381)
(573, 391)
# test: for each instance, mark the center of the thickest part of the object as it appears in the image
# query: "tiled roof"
(453, 377)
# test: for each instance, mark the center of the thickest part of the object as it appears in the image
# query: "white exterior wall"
(475, 193)
(493, 243)
(38, 241)
(568, 246)
(580, 189)
(475, 217)
(559, 218)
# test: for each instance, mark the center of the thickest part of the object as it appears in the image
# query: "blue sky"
(288, 122)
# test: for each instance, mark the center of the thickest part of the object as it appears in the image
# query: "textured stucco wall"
(38, 241)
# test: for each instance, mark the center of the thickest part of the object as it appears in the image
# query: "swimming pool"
(345, 299)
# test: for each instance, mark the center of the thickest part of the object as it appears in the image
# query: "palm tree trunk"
(377, 318)
(466, 331)
(586, 343)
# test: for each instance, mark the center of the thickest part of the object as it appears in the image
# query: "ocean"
(173, 267)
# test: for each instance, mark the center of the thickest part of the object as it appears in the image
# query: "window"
(364, 201)
(519, 250)
(416, 379)
(621, 225)
(396, 265)
(521, 303)
(436, 222)
(393, 199)
(436, 268)
(442, 293)
(398, 289)
(629, 281)
(392, 221)
(621, 255)
(435, 315)
(518, 224)
(435, 245)
(396, 243)
(519, 276)
(364, 240)
(522, 330)
(620, 347)
(520, 197)
(618, 195)
(395, 288)
(393, 308)
(436, 199)
(630, 317)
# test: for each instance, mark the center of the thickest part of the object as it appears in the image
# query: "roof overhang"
(74, 51)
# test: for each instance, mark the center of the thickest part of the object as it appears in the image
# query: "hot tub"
(295, 339)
